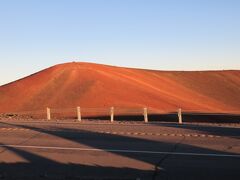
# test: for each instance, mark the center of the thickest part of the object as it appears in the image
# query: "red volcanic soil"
(93, 85)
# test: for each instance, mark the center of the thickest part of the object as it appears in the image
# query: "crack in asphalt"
(159, 163)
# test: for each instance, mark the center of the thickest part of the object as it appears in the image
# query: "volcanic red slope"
(94, 85)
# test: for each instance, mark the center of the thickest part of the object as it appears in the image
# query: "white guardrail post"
(145, 113)
(180, 116)
(79, 117)
(48, 114)
(112, 113)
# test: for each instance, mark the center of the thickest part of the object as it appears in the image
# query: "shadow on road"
(39, 167)
(166, 166)
(211, 130)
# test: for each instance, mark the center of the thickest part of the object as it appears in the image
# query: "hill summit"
(94, 85)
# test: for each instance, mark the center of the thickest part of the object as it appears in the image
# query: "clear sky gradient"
(154, 34)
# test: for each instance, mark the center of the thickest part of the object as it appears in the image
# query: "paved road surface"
(46, 150)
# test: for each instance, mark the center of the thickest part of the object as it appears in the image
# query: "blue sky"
(154, 34)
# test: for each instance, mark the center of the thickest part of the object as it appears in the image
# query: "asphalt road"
(51, 150)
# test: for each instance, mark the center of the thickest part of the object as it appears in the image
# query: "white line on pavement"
(124, 151)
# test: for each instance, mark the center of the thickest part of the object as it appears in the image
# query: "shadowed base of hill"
(173, 117)
(170, 117)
